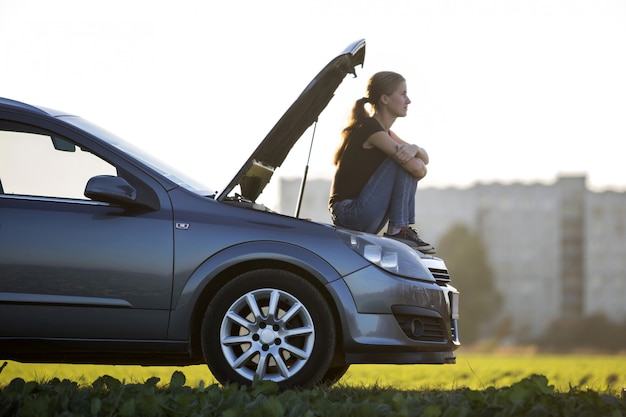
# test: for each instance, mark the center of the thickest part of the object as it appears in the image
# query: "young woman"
(377, 172)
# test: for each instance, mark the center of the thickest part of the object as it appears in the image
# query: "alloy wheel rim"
(267, 334)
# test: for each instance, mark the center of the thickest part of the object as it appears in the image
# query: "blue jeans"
(388, 196)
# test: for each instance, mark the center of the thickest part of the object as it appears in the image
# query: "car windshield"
(161, 167)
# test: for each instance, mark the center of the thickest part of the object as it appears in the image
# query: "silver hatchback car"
(108, 256)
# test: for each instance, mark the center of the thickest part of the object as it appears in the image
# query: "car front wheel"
(269, 325)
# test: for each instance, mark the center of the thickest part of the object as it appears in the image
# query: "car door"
(71, 267)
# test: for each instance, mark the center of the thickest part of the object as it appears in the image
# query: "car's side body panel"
(59, 255)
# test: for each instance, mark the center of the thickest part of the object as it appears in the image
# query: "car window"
(38, 164)
(162, 168)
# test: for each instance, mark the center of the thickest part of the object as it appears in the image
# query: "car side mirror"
(110, 189)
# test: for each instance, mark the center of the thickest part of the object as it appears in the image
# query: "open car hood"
(271, 153)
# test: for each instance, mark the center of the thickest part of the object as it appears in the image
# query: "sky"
(502, 90)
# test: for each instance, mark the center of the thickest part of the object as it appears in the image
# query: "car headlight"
(388, 254)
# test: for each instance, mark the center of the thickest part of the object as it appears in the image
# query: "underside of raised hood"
(271, 153)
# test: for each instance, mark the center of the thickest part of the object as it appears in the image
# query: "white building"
(605, 255)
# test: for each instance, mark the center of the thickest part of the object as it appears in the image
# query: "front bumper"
(392, 320)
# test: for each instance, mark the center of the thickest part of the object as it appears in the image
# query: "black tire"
(245, 335)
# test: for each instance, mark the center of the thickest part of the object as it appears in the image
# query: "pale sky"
(501, 90)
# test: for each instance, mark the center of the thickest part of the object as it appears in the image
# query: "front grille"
(441, 275)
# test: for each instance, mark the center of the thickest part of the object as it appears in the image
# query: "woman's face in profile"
(398, 102)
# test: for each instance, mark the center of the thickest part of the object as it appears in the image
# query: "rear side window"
(38, 164)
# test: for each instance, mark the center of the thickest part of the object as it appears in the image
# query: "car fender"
(198, 289)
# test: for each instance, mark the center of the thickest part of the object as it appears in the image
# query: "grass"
(478, 371)
(601, 373)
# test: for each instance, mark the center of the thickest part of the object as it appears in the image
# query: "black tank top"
(357, 164)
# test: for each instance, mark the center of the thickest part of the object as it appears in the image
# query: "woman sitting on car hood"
(377, 172)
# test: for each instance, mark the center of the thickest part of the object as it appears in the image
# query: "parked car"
(108, 256)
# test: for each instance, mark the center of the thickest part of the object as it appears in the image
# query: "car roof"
(8, 104)
(272, 151)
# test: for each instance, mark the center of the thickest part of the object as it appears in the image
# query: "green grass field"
(600, 373)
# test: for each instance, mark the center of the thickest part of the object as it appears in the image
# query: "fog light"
(417, 327)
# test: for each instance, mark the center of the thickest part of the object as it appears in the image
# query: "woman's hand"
(405, 152)
(414, 150)
(410, 157)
